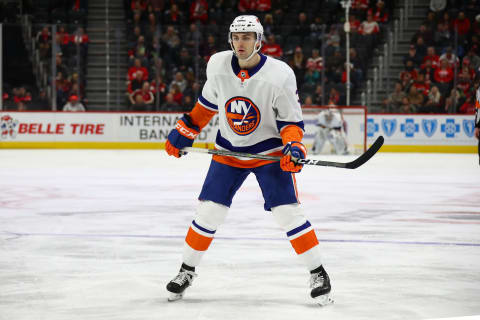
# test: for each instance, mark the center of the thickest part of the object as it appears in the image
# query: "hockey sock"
(316, 270)
(187, 267)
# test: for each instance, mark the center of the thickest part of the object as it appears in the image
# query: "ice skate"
(179, 284)
(320, 284)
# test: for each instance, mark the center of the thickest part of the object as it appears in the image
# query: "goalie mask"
(247, 23)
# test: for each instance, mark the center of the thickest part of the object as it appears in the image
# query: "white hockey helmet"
(247, 23)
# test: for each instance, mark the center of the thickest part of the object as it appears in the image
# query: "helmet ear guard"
(247, 23)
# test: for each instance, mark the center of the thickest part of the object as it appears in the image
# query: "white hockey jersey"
(253, 105)
(334, 123)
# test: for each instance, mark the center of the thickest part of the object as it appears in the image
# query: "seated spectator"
(40, 102)
(474, 59)
(454, 101)
(137, 66)
(369, 29)
(174, 16)
(272, 48)
(431, 22)
(406, 80)
(297, 63)
(413, 56)
(420, 84)
(63, 40)
(138, 8)
(468, 107)
(193, 38)
(381, 14)
(147, 98)
(81, 39)
(428, 71)
(302, 26)
(394, 100)
(21, 98)
(132, 38)
(333, 41)
(434, 100)
(318, 95)
(316, 60)
(269, 26)
(170, 104)
(177, 93)
(443, 76)
(407, 107)
(312, 76)
(442, 36)
(360, 7)
(185, 61)
(308, 100)
(425, 33)
(136, 83)
(421, 47)
(434, 58)
(416, 98)
(199, 11)
(450, 57)
(464, 80)
(334, 97)
(44, 42)
(409, 68)
(73, 104)
(139, 51)
(462, 26)
(61, 67)
(179, 81)
(210, 48)
(188, 102)
(63, 87)
(158, 88)
(252, 6)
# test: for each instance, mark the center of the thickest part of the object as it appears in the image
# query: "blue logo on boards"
(429, 127)
(450, 128)
(468, 127)
(409, 127)
(389, 126)
(372, 127)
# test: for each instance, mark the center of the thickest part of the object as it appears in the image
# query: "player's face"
(244, 43)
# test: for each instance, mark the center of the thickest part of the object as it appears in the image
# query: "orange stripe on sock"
(197, 241)
(304, 242)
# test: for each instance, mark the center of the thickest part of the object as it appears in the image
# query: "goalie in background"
(330, 128)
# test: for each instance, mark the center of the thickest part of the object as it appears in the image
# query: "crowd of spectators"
(171, 42)
(70, 43)
(442, 67)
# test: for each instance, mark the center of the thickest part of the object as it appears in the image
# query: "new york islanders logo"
(242, 114)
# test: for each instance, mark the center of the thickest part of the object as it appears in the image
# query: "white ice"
(97, 234)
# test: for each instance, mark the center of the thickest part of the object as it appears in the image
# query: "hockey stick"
(347, 165)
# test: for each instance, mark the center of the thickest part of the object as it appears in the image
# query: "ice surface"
(97, 234)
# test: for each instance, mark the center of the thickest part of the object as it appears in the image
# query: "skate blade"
(175, 297)
(324, 300)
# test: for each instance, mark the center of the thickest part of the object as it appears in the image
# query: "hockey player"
(477, 121)
(259, 111)
(330, 128)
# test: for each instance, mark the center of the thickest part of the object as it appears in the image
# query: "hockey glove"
(293, 151)
(182, 136)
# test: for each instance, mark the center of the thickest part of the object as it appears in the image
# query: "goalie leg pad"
(300, 233)
(202, 230)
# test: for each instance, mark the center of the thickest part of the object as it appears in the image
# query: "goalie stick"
(347, 165)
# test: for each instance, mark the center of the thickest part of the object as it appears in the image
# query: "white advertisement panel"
(92, 127)
(422, 130)
(429, 133)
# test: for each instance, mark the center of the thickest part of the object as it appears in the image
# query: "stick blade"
(367, 155)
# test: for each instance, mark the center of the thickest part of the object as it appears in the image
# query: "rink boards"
(115, 130)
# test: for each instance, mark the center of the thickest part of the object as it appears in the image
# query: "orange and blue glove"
(182, 136)
(293, 151)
